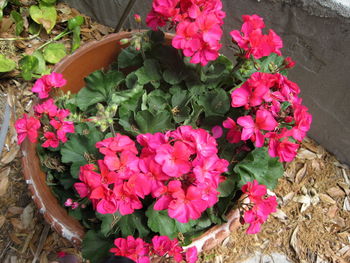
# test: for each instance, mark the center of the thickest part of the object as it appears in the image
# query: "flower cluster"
(274, 112)
(253, 41)
(47, 114)
(160, 246)
(260, 206)
(198, 26)
(180, 169)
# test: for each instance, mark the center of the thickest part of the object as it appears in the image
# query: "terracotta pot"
(92, 56)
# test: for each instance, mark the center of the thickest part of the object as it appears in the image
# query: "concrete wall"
(316, 35)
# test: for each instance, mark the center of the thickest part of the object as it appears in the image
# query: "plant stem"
(20, 38)
(59, 36)
(112, 129)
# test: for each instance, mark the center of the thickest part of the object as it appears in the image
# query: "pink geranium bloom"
(161, 245)
(217, 131)
(27, 127)
(185, 31)
(254, 190)
(209, 168)
(187, 205)
(287, 150)
(155, 20)
(191, 255)
(44, 85)
(62, 128)
(174, 159)
(167, 8)
(234, 133)
(240, 97)
(204, 53)
(303, 121)
(48, 107)
(116, 144)
(129, 165)
(82, 189)
(288, 62)
(252, 130)
(135, 249)
(140, 185)
(51, 140)
(210, 28)
(126, 200)
(252, 22)
(165, 193)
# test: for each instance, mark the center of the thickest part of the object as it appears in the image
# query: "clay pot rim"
(70, 228)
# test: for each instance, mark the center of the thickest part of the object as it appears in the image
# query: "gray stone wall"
(316, 35)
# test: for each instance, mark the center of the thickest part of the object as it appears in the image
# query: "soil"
(312, 223)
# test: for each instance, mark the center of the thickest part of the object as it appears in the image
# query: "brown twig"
(42, 240)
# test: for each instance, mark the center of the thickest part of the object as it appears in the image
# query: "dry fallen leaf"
(306, 154)
(11, 155)
(16, 223)
(280, 215)
(4, 180)
(15, 210)
(27, 216)
(335, 192)
(346, 205)
(327, 199)
(332, 211)
(2, 221)
(294, 241)
(301, 174)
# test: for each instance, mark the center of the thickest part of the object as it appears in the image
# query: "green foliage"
(260, 166)
(28, 65)
(151, 123)
(54, 52)
(95, 246)
(41, 68)
(74, 25)
(227, 187)
(129, 57)
(134, 224)
(160, 222)
(3, 4)
(45, 15)
(6, 64)
(18, 19)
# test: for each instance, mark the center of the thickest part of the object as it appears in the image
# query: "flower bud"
(288, 62)
(124, 41)
(137, 18)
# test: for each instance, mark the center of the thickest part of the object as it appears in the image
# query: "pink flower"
(48, 107)
(126, 200)
(62, 128)
(187, 205)
(27, 127)
(234, 134)
(174, 159)
(75, 205)
(135, 249)
(210, 28)
(61, 254)
(191, 255)
(155, 20)
(44, 85)
(217, 131)
(254, 190)
(51, 140)
(116, 144)
(303, 121)
(185, 32)
(264, 121)
(240, 96)
(161, 245)
(137, 18)
(288, 62)
(68, 202)
(286, 150)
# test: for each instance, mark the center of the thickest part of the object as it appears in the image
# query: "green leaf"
(129, 224)
(44, 15)
(107, 222)
(215, 102)
(3, 4)
(54, 52)
(96, 246)
(260, 166)
(150, 72)
(172, 77)
(75, 149)
(74, 22)
(76, 39)
(18, 19)
(160, 222)
(6, 64)
(41, 68)
(48, 2)
(99, 86)
(121, 97)
(227, 187)
(152, 123)
(129, 57)
(28, 65)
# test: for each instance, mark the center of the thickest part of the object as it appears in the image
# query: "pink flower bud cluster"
(180, 169)
(261, 206)
(253, 41)
(57, 128)
(160, 246)
(272, 104)
(198, 26)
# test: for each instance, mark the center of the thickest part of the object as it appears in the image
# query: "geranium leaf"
(215, 102)
(129, 57)
(41, 68)
(260, 166)
(148, 122)
(54, 52)
(227, 187)
(6, 64)
(76, 38)
(18, 19)
(96, 246)
(99, 86)
(129, 224)
(44, 15)
(28, 65)
(107, 222)
(160, 222)
(150, 72)
(48, 2)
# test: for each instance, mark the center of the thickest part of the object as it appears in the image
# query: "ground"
(312, 223)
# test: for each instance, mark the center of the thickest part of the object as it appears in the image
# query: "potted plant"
(161, 145)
